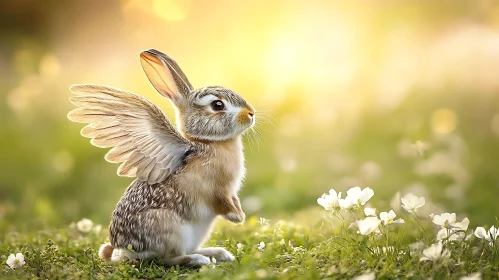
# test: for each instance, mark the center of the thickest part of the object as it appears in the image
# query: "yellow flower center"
(16, 261)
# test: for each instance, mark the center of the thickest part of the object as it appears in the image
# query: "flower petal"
(20, 257)
(370, 212)
(333, 193)
(445, 218)
(368, 225)
(384, 217)
(354, 192)
(398, 221)
(493, 233)
(392, 214)
(367, 193)
(481, 233)
(407, 208)
(463, 225)
(420, 202)
(345, 203)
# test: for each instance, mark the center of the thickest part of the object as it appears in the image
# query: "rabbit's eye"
(217, 105)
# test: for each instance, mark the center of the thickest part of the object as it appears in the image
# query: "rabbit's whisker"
(257, 135)
(263, 119)
(255, 139)
(251, 138)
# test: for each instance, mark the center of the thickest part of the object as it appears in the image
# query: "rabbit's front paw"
(219, 253)
(224, 256)
(198, 260)
(236, 217)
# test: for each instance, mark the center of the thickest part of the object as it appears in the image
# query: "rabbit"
(185, 177)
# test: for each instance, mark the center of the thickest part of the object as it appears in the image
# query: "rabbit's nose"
(251, 110)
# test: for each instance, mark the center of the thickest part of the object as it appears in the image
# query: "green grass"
(325, 249)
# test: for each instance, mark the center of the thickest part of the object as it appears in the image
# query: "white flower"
(472, 276)
(481, 233)
(490, 235)
(435, 253)
(15, 261)
(463, 225)
(411, 203)
(261, 245)
(365, 276)
(445, 220)
(388, 218)
(330, 201)
(356, 197)
(345, 204)
(368, 225)
(370, 212)
(84, 225)
(455, 232)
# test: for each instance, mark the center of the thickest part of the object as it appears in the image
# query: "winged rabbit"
(185, 177)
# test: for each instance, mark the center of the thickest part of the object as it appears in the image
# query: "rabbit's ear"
(165, 75)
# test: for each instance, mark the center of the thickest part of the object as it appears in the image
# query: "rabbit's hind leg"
(219, 253)
(194, 260)
(137, 256)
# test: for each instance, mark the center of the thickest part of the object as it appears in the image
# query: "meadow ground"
(348, 240)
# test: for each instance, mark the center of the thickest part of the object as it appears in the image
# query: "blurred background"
(400, 96)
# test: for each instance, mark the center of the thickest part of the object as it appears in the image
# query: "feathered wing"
(141, 136)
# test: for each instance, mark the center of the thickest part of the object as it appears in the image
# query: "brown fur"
(209, 179)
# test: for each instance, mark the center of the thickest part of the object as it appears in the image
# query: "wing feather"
(91, 132)
(119, 154)
(141, 137)
(129, 168)
(155, 175)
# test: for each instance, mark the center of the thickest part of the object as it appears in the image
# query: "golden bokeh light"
(283, 58)
(49, 66)
(443, 121)
(171, 10)
(142, 13)
(22, 96)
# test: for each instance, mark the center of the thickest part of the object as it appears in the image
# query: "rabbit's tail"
(106, 252)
